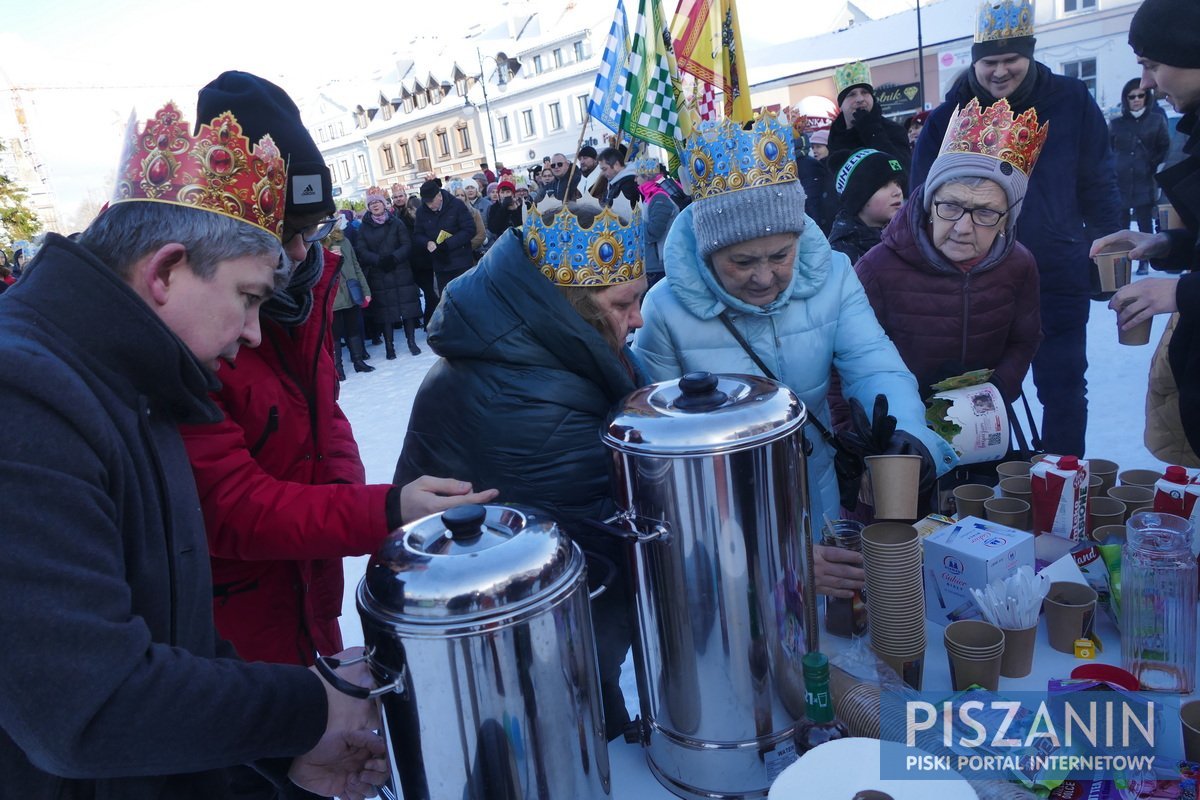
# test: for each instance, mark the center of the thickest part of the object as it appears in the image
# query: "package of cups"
(1059, 486)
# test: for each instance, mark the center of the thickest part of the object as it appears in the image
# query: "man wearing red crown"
(1165, 35)
(115, 682)
(281, 484)
(1072, 198)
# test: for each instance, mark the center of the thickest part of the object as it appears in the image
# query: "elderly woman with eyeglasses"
(949, 282)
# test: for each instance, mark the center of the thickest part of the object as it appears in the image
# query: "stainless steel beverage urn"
(480, 617)
(711, 476)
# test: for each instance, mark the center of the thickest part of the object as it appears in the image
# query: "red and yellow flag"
(708, 45)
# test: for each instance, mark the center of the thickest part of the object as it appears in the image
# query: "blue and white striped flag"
(608, 96)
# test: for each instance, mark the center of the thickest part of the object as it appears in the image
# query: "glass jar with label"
(1158, 602)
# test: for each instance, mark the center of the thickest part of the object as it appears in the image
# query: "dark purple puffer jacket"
(944, 320)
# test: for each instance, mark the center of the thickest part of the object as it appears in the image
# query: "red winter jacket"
(945, 321)
(282, 489)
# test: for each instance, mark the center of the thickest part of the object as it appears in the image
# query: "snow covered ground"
(378, 405)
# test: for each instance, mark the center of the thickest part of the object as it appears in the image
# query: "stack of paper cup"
(896, 597)
(975, 649)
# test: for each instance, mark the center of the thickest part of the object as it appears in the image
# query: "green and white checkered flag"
(651, 111)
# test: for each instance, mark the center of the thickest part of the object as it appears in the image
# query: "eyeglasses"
(1136, 95)
(985, 217)
(558, 163)
(309, 233)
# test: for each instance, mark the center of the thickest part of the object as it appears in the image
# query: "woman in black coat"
(1140, 141)
(383, 248)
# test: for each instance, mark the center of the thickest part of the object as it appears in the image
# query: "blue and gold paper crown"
(720, 157)
(1004, 19)
(608, 253)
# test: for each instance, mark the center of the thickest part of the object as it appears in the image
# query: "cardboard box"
(971, 553)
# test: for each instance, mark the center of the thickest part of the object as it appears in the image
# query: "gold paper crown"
(995, 132)
(608, 253)
(1004, 19)
(216, 170)
(851, 74)
(720, 157)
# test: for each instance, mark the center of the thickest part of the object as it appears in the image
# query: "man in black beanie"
(281, 483)
(1165, 36)
(1071, 197)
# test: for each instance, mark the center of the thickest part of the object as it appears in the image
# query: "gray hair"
(125, 232)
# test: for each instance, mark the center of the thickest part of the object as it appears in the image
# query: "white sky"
(80, 65)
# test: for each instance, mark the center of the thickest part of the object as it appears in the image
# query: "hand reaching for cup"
(1138, 302)
(1142, 245)
(838, 571)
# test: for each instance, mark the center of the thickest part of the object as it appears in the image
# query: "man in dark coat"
(565, 186)
(1165, 35)
(444, 228)
(621, 180)
(861, 125)
(1140, 143)
(1072, 199)
(115, 681)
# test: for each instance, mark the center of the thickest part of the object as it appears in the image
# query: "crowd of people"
(180, 490)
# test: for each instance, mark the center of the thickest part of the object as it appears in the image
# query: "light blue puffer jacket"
(821, 319)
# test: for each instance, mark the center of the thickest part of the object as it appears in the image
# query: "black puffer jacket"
(517, 400)
(383, 251)
(453, 254)
(852, 236)
(1140, 144)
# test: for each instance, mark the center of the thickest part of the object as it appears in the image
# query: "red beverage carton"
(1060, 497)
(1171, 494)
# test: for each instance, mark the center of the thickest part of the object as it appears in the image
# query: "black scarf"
(292, 304)
(1022, 99)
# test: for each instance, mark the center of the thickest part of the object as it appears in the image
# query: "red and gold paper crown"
(995, 132)
(216, 170)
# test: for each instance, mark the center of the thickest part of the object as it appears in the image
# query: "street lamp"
(505, 67)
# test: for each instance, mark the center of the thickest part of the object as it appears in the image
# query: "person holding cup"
(753, 287)
(1165, 36)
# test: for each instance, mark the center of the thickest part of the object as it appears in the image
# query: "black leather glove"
(869, 437)
(904, 443)
(863, 120)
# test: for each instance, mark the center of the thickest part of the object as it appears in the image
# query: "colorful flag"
(653, 105)
(608, 96)
(708, 44)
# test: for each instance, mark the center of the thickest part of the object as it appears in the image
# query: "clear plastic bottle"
(845, 616)
(1158, 602)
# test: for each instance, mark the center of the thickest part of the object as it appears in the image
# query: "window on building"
(1084, 70)
(422, 147)
(555, 117)
(1071, 6)
(341, 129)
(361, 161)
(464, 139)
(422, 100)
(537, 65)
(387, 111)
(345, 169)
(579, 56)
(582, 100)
(558, 57)
(502, 126)
(332, 172)
(405, 153)
(388, 158)
(322, 135)
(527, 128)
(443, 143)
(408, 104)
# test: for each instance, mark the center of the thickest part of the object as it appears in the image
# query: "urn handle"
(326, 665)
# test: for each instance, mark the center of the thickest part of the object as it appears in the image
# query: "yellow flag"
(708, 45)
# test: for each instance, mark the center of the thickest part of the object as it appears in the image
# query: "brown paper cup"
(1109, 533)
(1008, 511)
(1037, 458)
(911, 669)
(1189, 714)
(1146, 478)
(975, 650)
(967, 671)
(895, 480)
(1135, 498)
(1070, 611)
(1016, 487)
(1105, 470)
(1114, 267)
(1137, 335)
(969, 499)
(1013, 469)
(1105, 511)
(1017, 661)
